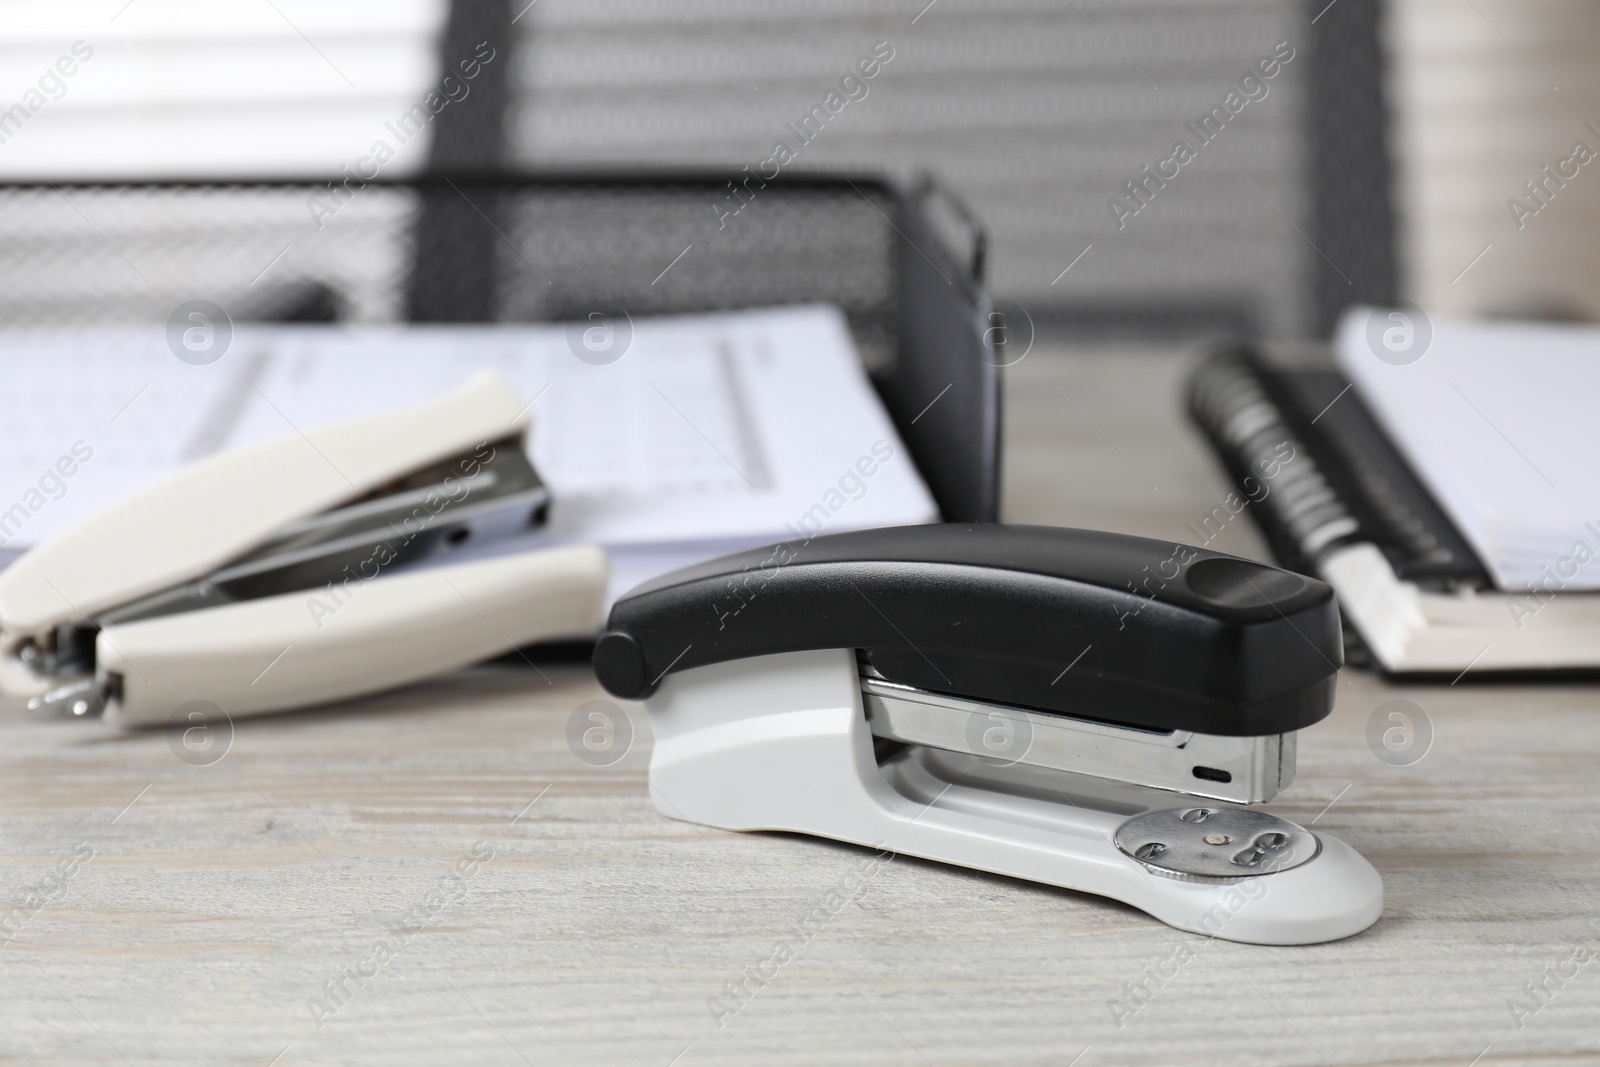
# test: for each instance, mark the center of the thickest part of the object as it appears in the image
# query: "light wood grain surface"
(486, 897)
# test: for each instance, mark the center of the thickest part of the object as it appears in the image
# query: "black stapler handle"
(1096, 625)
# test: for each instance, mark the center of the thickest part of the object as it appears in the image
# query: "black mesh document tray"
(537, 247)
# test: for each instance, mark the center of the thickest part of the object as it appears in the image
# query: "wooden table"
(433, 876)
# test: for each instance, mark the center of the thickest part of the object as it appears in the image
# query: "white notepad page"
(711, 432)
(1501, 420)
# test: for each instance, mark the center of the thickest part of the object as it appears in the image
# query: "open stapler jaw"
(276, 575)
(1083, 709)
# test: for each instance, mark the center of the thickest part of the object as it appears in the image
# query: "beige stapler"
(284, 574)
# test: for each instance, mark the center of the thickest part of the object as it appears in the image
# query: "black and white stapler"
(1082, 709)
(297, 571)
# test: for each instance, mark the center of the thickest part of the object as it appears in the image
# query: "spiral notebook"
(1350, 508)
(1498, 420)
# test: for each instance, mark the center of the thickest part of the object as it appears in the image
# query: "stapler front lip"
(298, 547)
(1073, 707)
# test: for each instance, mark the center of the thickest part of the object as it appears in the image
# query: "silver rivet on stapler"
(1236, 843)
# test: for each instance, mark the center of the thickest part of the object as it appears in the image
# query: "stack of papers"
(707, 434)
(1499, 421)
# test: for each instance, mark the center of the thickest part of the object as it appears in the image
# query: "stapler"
(1082, 709)
(301, 570)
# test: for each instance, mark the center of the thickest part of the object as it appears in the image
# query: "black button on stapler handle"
(1093, 625)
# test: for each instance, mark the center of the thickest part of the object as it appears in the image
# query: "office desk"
(433, 876)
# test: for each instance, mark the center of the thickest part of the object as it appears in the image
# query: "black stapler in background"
(1083, 709)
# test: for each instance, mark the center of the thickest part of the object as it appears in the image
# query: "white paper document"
(1499, 420)
(707, 433)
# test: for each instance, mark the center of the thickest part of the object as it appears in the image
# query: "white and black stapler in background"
(306, 569)
(1083, 709)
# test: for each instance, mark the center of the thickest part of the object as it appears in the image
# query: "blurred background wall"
(1038, 112)
(1381, 159)
(165, 88)
(1486, 94)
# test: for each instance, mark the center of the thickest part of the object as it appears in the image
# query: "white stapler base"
(781, 743)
